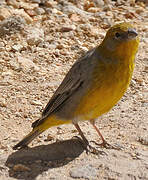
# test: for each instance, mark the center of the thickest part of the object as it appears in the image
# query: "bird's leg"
(104, 142)
(86, 143)
(81, 134)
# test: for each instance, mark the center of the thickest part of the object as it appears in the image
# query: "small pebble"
(143, 140)
(84, 171)
(21, 167)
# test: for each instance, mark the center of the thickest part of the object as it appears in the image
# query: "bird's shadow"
(42, 158)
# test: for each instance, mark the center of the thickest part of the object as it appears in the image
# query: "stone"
(39, 11)
(50, 3)
(99, 3)
(17, 47)
(36, 102)
(74, 17)
(93, 10)
(2, 2)
(69, 9)
(27, 63)
(36, 1)
(143, 140)
(3, 102)
(13, 3)
(35, 36)
(23, 14)
(84, 171)
(2, 46)
(31, 12)
(21, 167)
(11, 25)
(68, 28)
(25, 5)
(4, 13)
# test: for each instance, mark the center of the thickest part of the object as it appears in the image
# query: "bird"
(93, 85)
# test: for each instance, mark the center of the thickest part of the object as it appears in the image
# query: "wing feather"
(71, 83)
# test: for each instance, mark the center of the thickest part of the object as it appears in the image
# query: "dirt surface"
(39, 42)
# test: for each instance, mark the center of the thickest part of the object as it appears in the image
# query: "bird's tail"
(27, 139)
(39, 126)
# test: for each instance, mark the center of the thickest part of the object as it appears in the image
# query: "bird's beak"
(132, 33)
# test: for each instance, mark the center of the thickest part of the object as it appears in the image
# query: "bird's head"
(121, 39)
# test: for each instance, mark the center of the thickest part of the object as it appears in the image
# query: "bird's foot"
(93, 150)
(106, 145)
(89, 148)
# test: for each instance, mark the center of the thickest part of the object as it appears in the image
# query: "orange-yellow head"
(121, 41)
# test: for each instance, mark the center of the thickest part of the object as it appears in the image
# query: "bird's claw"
(95, 151)
(106, 145)
(89, 148)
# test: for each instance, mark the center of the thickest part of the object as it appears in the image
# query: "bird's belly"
(98, 101)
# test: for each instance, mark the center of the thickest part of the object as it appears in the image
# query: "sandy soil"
(39, 41)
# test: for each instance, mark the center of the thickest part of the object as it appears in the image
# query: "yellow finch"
(93, 85)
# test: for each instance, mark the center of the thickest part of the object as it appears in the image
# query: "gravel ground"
(39, 42)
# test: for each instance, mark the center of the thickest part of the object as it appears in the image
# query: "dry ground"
(39, 41)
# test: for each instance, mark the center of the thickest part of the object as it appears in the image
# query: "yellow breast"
(102, 96)
(108, 85)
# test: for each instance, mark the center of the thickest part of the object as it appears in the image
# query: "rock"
(107, 7)
(84, 171)
(17, 47)
(36, 1)
(88, 4)
(144, 1)
(52, 46)
(50, 3)
(14, 65)
(68, 28)
(39, 11)
(2, 46)
(7, 73)
(13, 3)
(54, 11)
(99, 3)
(21, 4)
(143, 155)
(69, 9)
(143, 140)
(3, 102)
(74, 17)
(35, 36)
(94, 31)
(129, 15)
(145, 40)
(36, 102)
(139, 10)
(21, 167)
(144, 104)
(27, 64)
(31, 12)
(4, 13)
(23, 14)
(49, 138)
(2, 2)
(26, 6)
(11, 25)
(93, 10)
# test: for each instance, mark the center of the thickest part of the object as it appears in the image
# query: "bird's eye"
(117, 35)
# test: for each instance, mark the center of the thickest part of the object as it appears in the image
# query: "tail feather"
(37, 129)
(27, 139)
(39, 126)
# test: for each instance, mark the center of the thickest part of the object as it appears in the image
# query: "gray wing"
(69, 86)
